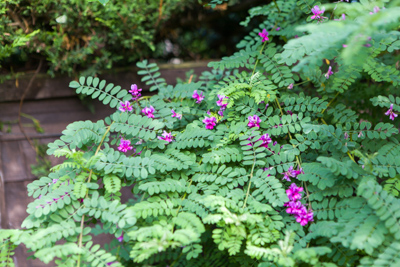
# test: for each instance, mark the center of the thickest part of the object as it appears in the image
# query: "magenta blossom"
(293, 192)
(265, 140)
(277, 29)
(166, 137)
(254, 121)
(264, 35)
(210, 122)
(317, 12)
(198, 97)
(221, 112)
(177, 115)
(294, 207)
(290, 86)
(343, 17)
(125, 106)
(125, 145)
(329, 73)
(135, 92)
(390, 113)
(121, 238)
(304, 216)
(221, 103)
(148, 111)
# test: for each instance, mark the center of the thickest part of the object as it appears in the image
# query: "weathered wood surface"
(46, 87)
(16, 154)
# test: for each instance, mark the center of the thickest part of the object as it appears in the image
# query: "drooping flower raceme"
(125, 145)
(264, 35)
(329, 73)
(166, 137)
(198, 97)
(135, 92)
(390, 113)
(177, 115)
(317, 12)
(254, 121)
(295, 207)
(210, 122)
(148, 111)
(125, 106)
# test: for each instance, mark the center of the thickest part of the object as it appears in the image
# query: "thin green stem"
(251, 176)
(255, 65)
(277, 7)
(87, 192)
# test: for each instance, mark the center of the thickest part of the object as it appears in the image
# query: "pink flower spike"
(166, 137)
(254, 121)
(125, 145)
(177, 115)
(135, 92)
(210, 122)
(264, 35)
(125, 106)
(148, 111)
(198, 97)
(329, 73)
(390, 113)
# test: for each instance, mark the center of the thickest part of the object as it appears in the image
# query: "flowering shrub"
(297, 170)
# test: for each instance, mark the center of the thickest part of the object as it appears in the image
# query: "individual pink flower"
(125, 145)
(317, 12)
(210, 122)
(376, 10)
(390, 113)
(277, 29)
(254, 121)
(177, 115)
(346, 135)
(290, 86)
(289, 173)
(264, 35)
(166, 137)
(125, 106)
(342, 18)
(198, 97)
(121, 238)
(294, 207)
(135, 92)
(148, 111)
(329, 73)
(345, 45)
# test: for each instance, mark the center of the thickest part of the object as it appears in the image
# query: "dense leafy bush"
(81, 35)
(291, 160)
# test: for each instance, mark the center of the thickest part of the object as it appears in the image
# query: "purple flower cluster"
(295, 207)
(266, 139)
(135, 92)
(254, 121)
(390, 113)
(210, 122)
(329, 73)
(198, 97)
(148, 111)
(125, 145)
(166, 137)
(291, 173)
(125, 106)
(177, 115)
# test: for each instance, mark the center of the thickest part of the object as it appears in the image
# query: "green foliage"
(219, 197)
(81, 37)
